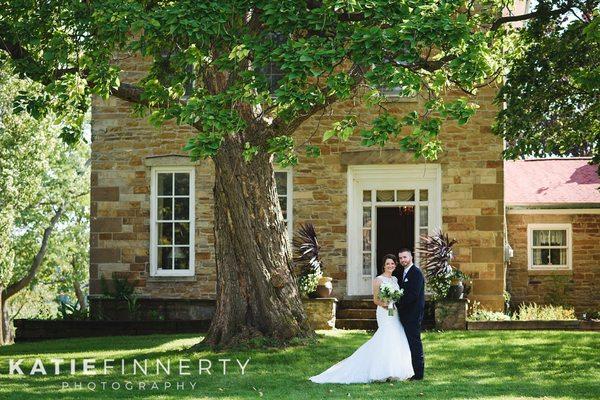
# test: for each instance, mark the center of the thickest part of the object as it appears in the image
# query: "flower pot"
(456, 289)
(324, 286)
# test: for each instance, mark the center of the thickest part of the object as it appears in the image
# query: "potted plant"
(457, 289)
(436, 253)
(444, 282)
(311, 281)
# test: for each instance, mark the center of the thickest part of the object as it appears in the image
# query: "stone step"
(366, 324)
(356, 304)
(356, 313)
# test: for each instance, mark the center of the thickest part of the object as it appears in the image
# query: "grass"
(459, 365)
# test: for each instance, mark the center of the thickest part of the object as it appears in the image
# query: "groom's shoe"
(414, 378)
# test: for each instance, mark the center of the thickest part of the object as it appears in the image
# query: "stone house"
(152, 219)
(553, 222)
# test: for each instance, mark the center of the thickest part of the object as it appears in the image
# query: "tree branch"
(282, 128)
(37, 261)
(524, 17)
(125, 91)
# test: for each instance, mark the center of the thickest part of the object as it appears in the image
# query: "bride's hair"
(391, 257)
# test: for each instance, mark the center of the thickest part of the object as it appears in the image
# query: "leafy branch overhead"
(207, 64)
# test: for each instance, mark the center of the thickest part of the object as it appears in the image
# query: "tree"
(40, 177)
(208, 70)
(552, 90)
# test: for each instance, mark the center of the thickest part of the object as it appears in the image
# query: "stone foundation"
(149, 309)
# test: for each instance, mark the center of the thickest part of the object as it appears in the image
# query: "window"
(272, 71)
(172, 221)
(549, 246)
(283, 179)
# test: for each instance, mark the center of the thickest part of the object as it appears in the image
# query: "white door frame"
(385, 177)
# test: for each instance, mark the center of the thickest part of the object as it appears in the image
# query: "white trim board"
(554, 211)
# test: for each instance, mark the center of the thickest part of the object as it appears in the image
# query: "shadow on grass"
(474, 365)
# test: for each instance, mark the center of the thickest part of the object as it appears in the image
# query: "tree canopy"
(552, 90)
(209, 61)
(44, 203)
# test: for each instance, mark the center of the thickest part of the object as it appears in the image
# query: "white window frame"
(154, 270)
(534, 227)
(392, 94)
(289, 199)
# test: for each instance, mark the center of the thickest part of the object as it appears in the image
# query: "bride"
(386, 355)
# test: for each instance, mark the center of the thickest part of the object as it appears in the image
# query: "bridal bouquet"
(390, 294)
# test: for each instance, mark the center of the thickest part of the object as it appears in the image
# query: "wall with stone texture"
(581, 283)
(124, 148)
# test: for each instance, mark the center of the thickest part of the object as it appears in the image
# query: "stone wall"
(451, 314)
(579, 284)
(321, 312)
(124, 148)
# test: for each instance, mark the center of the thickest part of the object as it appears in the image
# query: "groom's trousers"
(413, 334)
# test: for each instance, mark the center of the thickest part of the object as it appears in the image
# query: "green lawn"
(459, 365)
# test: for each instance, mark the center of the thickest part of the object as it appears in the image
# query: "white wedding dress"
(385, 355)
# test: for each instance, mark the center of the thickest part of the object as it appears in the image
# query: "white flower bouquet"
(390, 294)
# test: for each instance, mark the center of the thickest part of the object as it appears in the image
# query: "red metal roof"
(551, 180)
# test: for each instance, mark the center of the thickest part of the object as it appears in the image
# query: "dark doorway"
(395, 229)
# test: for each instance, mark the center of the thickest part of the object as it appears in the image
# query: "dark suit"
(410, 310)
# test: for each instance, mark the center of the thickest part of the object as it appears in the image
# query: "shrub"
(526, 312)
(477, 313)
(534, 312)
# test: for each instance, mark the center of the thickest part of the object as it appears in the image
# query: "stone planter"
(324, 287)
(321, 312)
(451, 314)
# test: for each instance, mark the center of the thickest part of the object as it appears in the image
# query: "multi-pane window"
(549, 246)
(272, 71)
(283, 179)
(172, 218)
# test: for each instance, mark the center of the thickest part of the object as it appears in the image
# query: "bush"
(590, 315)
(477, 313)
(534, 312)
(526, 312)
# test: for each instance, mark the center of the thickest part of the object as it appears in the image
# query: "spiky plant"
(436, 253)
(307, 259)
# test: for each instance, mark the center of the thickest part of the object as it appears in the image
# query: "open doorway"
(395, 230)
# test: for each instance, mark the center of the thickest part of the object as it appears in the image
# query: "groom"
(411, 307)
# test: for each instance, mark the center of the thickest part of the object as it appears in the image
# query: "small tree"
(41, 181)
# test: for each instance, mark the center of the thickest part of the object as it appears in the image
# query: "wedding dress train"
(385, 355)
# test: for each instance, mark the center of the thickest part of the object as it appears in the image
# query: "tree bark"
(1, 316)
(8, 333)
(19, 285)
(257, 295)
(80, 296)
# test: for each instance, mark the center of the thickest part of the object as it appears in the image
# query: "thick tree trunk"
(257, 295)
